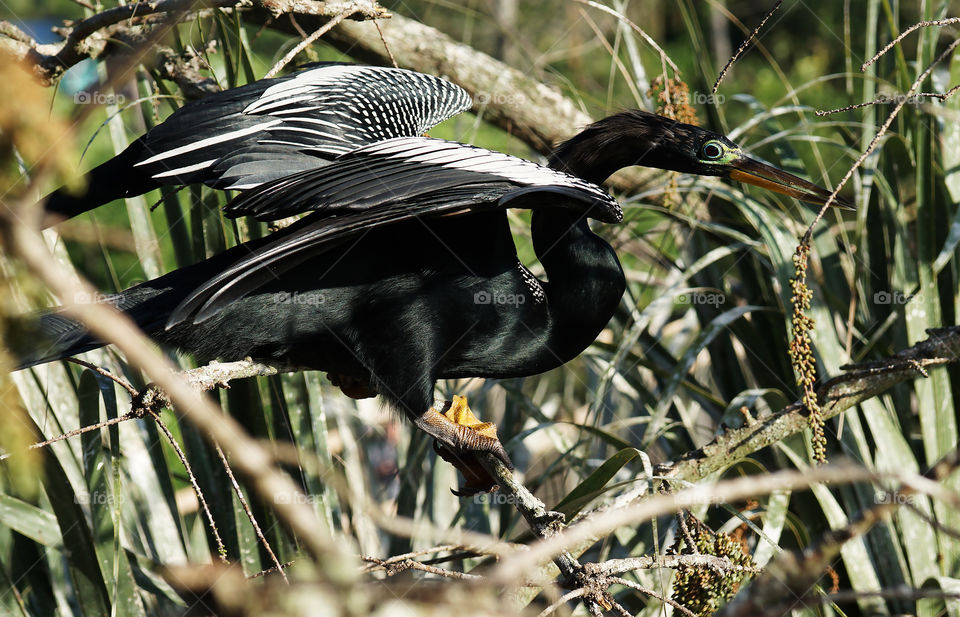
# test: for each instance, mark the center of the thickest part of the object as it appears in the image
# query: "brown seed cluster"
(704, 590)
(673, 101)
(801, 353)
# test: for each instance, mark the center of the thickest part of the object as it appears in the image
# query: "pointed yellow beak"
(768, 177)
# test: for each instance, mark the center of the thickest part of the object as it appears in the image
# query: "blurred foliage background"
(700, 340)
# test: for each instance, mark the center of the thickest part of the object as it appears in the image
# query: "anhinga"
(404, 270)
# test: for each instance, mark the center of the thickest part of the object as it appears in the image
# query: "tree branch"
(860, 382)
(88, 37)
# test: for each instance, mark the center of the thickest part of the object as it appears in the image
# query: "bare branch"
(212, 524)
(900, 37)
(112, 326)
(743, 46)
(721, 565)
(396, 566)
(306, 42)
(602, 523)
(654, 594)
(250, 517)
(88, 37)
(885, 100)
(862, 381)
(876, 139)
(573, 595)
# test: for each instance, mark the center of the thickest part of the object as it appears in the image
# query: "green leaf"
(594, 484)
(36, 524)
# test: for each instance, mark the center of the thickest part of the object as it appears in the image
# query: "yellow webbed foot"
(460, 436)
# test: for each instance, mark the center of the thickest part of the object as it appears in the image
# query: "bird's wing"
(383, 184)
(246, 136)
(408, 169)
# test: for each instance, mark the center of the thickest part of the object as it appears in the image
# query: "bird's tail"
(54, 336)
(112, 180)
(149, 305)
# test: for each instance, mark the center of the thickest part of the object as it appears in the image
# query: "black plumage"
(404, 269)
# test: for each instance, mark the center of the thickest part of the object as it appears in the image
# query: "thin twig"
(76, 432)
(123, 383)
(653, 594)
(250, 516)
(393, 60)
(572, 595)
(882, 100)
(900, 37)
(876, 140)
(396, 567)
(375, 563)
(271, 570)
(619, 608)
(306, 42)
(930, 520)
(221, 549)
(744, 44)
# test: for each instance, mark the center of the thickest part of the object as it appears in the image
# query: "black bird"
(404, 271)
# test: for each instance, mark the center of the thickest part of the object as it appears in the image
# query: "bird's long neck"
(596, 153)
(585, 280)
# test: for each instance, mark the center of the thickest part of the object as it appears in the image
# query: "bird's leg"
(460, 436)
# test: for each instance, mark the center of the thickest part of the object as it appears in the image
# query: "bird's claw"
(460, 436)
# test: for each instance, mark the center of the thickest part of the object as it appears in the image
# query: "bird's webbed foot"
(460, 436)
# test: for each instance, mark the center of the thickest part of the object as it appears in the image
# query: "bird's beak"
(766, 176)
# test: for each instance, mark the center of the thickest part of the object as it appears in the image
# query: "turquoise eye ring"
(712, 150)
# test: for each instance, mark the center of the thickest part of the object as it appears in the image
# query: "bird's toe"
(460, 437)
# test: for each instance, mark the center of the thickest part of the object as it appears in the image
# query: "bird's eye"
(712, 150)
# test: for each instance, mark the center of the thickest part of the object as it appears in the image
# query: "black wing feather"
(382, 185)
(246, 136)
(314, 114)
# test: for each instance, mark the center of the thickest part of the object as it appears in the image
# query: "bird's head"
(638, 137)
